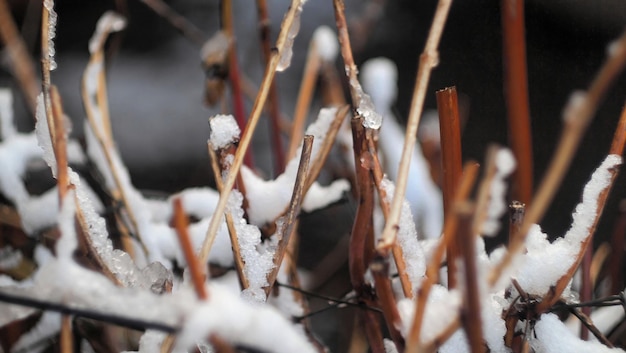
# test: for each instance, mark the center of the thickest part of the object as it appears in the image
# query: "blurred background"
(155, 82)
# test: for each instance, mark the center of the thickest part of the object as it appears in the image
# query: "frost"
(365, 107)
(224, 131)
(42, 131)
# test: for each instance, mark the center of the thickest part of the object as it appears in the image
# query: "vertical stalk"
(516, 96)
(450, 127)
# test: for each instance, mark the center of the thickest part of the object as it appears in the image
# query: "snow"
(552, 336)
(108, 22)
(326, 43)
(505, 164)
(235, 321)
(224, 131)
(9, 257)
(552, 260)
(48, 326)
(390, 347)
(268, 199)
(408, 240)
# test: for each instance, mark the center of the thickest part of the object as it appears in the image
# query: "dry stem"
(428, 60)
(181, 223)
(305, 94)
(230, 223)
(66, 341)
(294, 209)
(450, 128)
(578, 116)
(470, 172)
(248, 131)
(21, 62)
(516, 93)
(180, 23)
(380, 270)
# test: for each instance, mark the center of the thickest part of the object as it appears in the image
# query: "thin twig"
(470, 172)
(578, 116)
(59, 142)
(305, 94)
(428, 60)
(181, 223)
(471, 313)
(516, 94)
(294, 209)
(380, 271)
(230, 223)
(451, 160)
(617, 246)
(66, 341)
(346, 49)
(274, 102)
(21, 62)
(484, 190)
(588, 324)
(179, 22)
(249, 130)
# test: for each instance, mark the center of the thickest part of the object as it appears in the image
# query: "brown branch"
(274, 102)
(380, 271)
(450, 128)
(181, 223)
(249, 130)
(230, 223)
(365, 209)
(66, 341)
(327, 144)
(59, 142)
(21, 61)
(470, 171)
(516, 94)
(578, 116)
(293, 211)
(346, 49)
(588, 324)
(428, 60)
(617, 246)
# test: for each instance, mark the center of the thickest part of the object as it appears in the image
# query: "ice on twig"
(224, 131)
(43, 135)
(379, 78)
(52, 29)
(287, 51)
(326, 43)
(268, 199)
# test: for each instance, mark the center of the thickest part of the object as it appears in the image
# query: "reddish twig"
(380, 270)
(617, 246)
(181, 223)
(450, 127)
(516, 94)
(274, 102)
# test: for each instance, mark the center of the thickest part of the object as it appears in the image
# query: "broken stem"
(292, 213)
